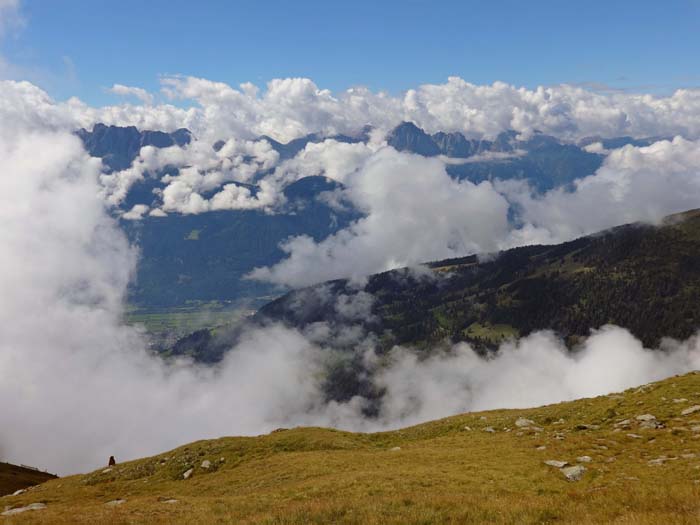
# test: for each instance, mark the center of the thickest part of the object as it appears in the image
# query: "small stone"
(584, 459)
(695, 428)
(115, 502)
(170, 501)
(489, 429)
(541, 447)
(651, 425)
(574, 473)
(690, 455)
(222, 460)
(105, 471)
(19, 510)
(187, 474)
(623, 423)
(634, 436)
(656, 462)
(521, 422)
(18, 492)
(206, 464)
(681, 400)
(395, 449)
(646, 417)
(483, 418)
(468, 429)
(556, 464)
(587, 427)
(690, 410)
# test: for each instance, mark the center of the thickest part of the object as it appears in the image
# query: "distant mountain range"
(188, 259)
(202, 258)
(119, 146)
(542, 160)
(293, 147)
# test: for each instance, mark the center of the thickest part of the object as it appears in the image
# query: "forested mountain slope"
(641, 277)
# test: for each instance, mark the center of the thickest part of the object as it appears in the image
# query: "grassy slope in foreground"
(442, 473)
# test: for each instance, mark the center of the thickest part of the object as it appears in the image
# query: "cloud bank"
(130, 91)
(416, 213)
(413, 211)
(634, 184)
(293, 107)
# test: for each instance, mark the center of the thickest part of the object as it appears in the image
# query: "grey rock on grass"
(19, 510)
(574, 473)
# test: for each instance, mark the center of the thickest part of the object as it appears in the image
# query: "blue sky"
(80, 47)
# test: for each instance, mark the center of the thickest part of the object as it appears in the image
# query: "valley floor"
(640, 450)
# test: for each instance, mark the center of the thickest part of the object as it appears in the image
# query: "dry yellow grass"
(442, 473)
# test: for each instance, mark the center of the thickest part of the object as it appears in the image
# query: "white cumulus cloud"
(131, 91)
(414, 213)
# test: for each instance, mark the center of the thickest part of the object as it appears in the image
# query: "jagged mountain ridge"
(409, 137)
(118, 146)
(203, 257)
(542, 160)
